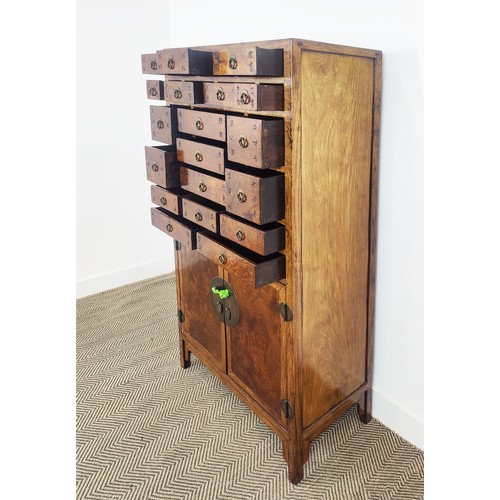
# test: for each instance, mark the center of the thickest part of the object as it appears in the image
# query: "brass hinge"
(286, 408)
(181, 316)
(286, 312)
(177, 245)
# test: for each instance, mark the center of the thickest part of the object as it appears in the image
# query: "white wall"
(114, 232)
(116, 243)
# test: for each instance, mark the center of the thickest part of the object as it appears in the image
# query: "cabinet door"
(256, 345)
(201, 325)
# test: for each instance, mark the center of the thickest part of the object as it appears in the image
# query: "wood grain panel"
(336, 141)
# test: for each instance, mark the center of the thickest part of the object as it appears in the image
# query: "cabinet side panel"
(336, 108)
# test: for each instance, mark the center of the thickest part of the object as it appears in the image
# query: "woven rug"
(147, 429)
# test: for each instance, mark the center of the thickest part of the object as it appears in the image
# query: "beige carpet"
(147, 429)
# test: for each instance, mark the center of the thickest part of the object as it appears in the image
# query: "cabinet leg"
(365, 407)
(295, 454)
(185, 354)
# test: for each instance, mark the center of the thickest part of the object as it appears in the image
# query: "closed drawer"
(204, 214)
(255, 142)
(203, 184)
(168, 199)
(202, 124)
(259, 198)
(162, 167)
(185, 62)
(248, 61)
(184, 232)
(243, 96)
(183, 92)
(155, 90)
(264, 240)
(201, 155)
(260, 270)
(150, 64)
(161, 124)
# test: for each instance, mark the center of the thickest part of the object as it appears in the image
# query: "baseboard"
(398, 418)
(97, 284)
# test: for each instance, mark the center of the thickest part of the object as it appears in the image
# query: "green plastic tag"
(223, 294)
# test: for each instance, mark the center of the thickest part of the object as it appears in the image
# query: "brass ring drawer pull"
(220, 95)
(155, 167)
(222, 258)
(243, 141)
(244, 97)
(199, 124)
(198, 156)
(240, 235)
(178, 94)
(241, 197)
(202, 187)
(154, 65)
(163, 200)
(171, 63)
(233, 62)
(153, 92)
(160, 124)
(169, 228)
(198, 216)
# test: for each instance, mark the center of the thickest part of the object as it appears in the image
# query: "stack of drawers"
(215, 184)
(264, 172)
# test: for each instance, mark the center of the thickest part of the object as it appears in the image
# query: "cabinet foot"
(296, 455)
(365, 407)
(185, 354)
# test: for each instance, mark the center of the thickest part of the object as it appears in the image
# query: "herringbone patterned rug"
(147, 429)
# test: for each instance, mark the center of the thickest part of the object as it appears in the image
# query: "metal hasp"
(224, 302)
(287, 409)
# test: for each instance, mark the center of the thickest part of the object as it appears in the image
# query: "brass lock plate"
(224, 302)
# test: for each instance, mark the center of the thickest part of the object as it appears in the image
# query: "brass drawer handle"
(154, 65)
(171, 63)
(233, 62)
(178, 94)
(243, 141)
(202, 187)
(244, 97)
(222, 258)
(163, 200)
(169, 227)
(155, 167)
(160, 124)
(240, 235)
(199, 124)
(198, 156)
(220, 95)
(153, 92)
(241, 197)
(198, 217)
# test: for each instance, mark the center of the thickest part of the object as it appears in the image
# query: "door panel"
(255, 345)
(200, 325)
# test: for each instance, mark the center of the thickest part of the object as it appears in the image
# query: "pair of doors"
(251, 348)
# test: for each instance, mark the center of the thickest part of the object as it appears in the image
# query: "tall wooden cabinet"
(265, 173)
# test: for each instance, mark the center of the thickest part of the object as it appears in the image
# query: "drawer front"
(202, 184)
(258, 270)
(184, 232)
(243, 96)
(259, 199)
(161, 123)
(166, 199)
(185, 62)
(202, 124)
(150, 64)
(155, 90)
(201, 155)
(162, 167)
(248, 61)
(255, 142)
(201, 214)
(183, 92)
(255, 238)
